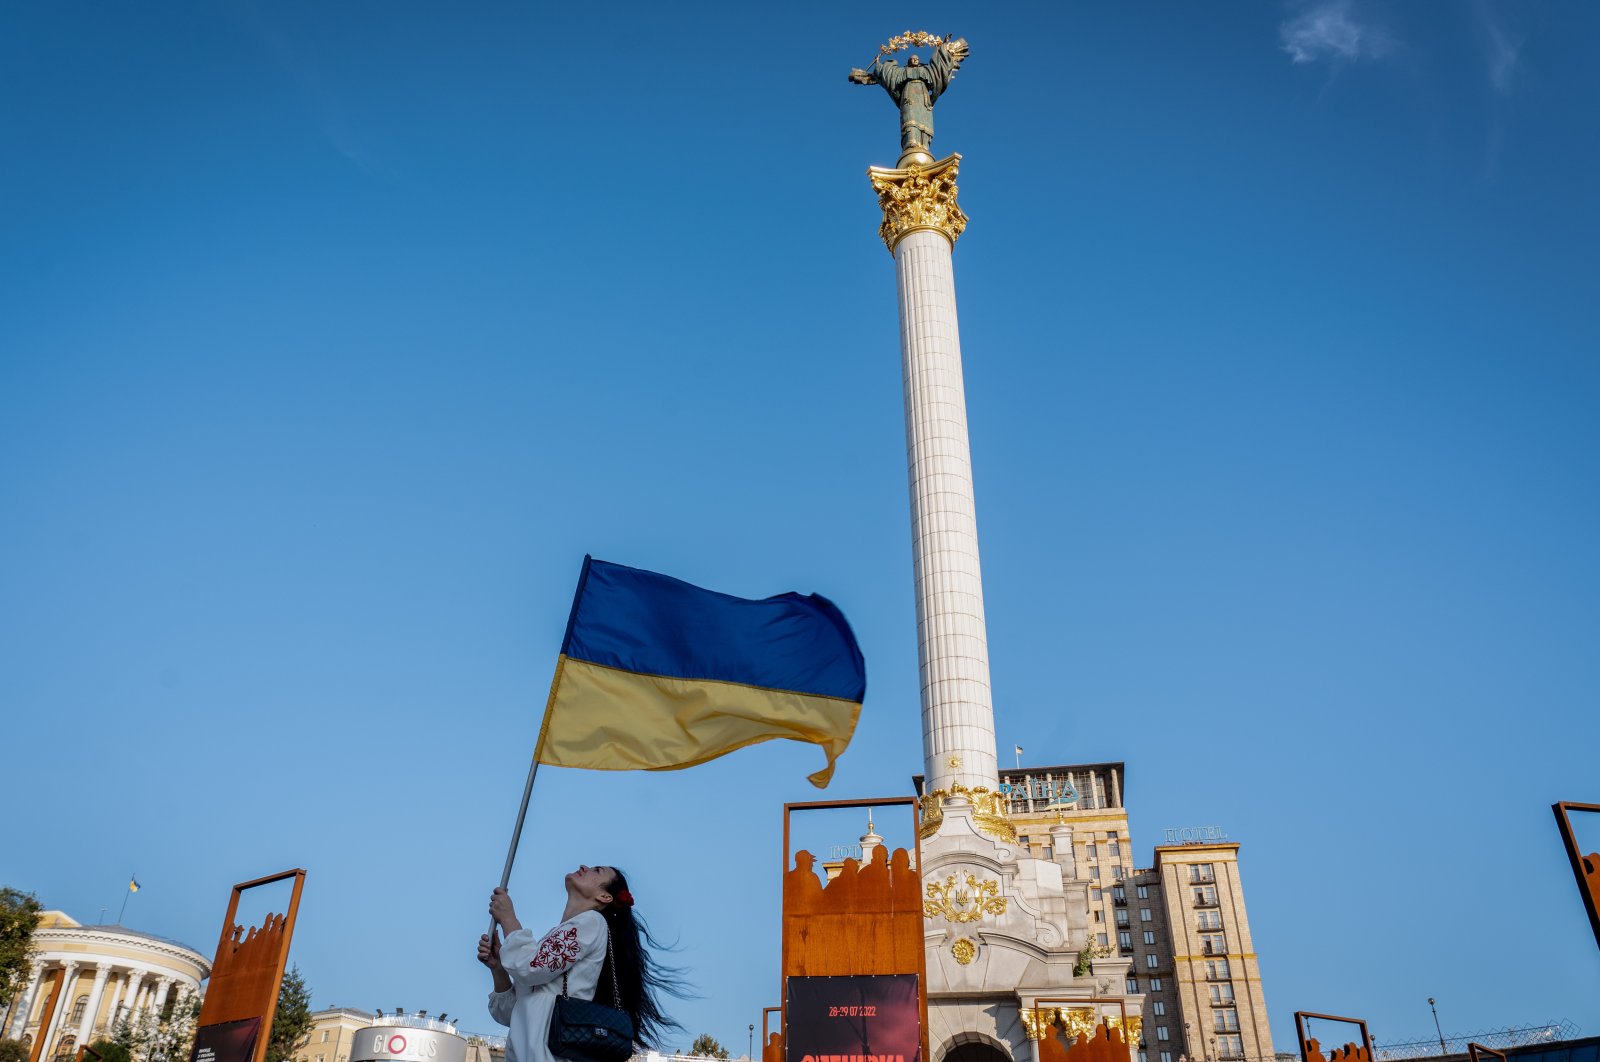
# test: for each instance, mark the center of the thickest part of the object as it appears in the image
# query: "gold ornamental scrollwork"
(1077, 1022)
(964, 951)
(963, 898)
(988, 812)
(918, 198)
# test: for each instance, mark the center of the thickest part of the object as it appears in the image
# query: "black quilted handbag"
(583, 1030)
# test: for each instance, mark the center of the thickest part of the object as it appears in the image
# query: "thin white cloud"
(1327, 29)
(1501, 52)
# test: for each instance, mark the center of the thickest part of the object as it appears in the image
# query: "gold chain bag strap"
(584, 1030)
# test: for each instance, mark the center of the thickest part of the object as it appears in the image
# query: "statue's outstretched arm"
(947, 59)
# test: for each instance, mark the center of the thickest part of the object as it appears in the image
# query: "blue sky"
(333, 336)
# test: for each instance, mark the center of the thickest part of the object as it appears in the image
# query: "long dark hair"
(641, 979)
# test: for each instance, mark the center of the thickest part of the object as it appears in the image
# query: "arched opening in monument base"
(971, 1048)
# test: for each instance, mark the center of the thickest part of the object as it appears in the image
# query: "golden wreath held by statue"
(924, 39)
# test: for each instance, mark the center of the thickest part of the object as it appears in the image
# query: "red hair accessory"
(624, 897)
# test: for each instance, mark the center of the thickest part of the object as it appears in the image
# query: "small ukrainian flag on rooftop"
(133, 884)
(656, 674)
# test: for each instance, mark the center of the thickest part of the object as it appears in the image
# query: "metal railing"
(1500, 1039)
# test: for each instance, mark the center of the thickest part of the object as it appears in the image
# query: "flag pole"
(126, 893)
(527, 788)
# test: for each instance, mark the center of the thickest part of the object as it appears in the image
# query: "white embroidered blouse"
(577, 948)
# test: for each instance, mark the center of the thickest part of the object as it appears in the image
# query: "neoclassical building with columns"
(86, 978)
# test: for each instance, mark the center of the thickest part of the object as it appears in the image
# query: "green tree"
(707, 1047)
(13, 1051)
(19, 917)
(293, 1020)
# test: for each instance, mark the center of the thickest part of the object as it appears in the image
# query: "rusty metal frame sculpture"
(98, 1057)
(770, 1052)
(786, 958)
(58, 988)
(1348, 1053)
(248, 969)
(1086, 1047)
(1585, 868)
(1476, 1052)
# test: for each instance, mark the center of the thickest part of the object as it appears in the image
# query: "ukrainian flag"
(656, 675)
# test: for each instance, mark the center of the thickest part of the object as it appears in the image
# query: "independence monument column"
(921, 223)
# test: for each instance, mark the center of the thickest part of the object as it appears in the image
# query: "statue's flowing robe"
(914, 89)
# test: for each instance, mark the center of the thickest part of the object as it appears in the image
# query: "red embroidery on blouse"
(558, 950)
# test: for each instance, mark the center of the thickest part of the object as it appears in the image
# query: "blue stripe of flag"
(654, 624)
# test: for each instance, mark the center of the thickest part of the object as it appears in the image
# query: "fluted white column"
(130, 994)
(952, 639)
(17, 1022)
(86, 1026)
(60, 1016)
(162, 988)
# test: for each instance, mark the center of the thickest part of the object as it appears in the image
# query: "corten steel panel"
(1585, 868)
(51, 1003)
(98, 1057)
(248, 969)
(1311, 1050)
(868, 920)
(1476, 1053)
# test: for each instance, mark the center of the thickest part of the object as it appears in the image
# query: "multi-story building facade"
(1181, 923)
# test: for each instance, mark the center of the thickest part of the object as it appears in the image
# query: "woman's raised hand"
(489, 951)
(501, 910)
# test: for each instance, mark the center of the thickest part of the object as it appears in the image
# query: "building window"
(1122, 919)
(1161, 1032)
(1100, 939)
(1117, 893)
(1202, 873)
(78, 1008)
(1049, 852)
(1094, 872)
(1144, 1056)
(1166, 1056)
(1230, 1046)
(1099, 915)
(1209, 920)
(1206, 896)
(1118, 873)
(1222, 993)
(1125, 940)
(1133, 986)
(324, 1035)
(1217, 970)
(1227, 1019)
(1159, 1007)
(1116, 849)
(1213, 944)
(1096, 895)
(1149, 936)
(1152, 961)
(1144, 892)
(1155, 984)
(1090, 852)
(1144, 914)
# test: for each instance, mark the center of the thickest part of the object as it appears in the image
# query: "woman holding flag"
(599, 942)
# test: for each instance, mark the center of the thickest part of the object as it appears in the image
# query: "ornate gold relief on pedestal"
(964, 951)
(918, 198)
(988, 812)
(962, 898)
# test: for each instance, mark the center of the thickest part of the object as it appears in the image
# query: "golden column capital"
(918, 198)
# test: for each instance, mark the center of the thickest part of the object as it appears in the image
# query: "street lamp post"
(1442, 1049)
(750, 1049)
